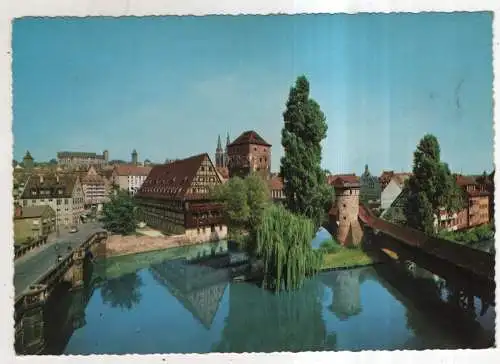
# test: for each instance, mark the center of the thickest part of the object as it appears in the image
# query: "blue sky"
(167, 86)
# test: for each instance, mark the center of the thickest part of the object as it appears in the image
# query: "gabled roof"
(172, 180)
(33, 211)
(131, 170)
(400, 178)
(249, 137)
(51, 185)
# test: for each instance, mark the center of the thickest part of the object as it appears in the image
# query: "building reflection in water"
(345, 286)
(199, 288)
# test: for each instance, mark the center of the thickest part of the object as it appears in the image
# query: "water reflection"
(198, 288)
(123, 292)
(261, 321)
(345, 285)
(158, 304)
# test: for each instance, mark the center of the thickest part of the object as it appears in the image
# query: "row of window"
(34, 192)
(212, 229)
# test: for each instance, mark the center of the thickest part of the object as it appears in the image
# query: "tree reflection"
(123, 292)
(262, 321)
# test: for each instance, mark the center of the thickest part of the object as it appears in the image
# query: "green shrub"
(329, 246)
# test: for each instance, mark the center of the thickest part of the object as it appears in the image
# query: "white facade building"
(130, 177)
(392, 190)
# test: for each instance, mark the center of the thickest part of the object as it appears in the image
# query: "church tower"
(134, 157)
(226, 158)
(219, 154)
(28, 160)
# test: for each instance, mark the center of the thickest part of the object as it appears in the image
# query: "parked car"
(73, 229)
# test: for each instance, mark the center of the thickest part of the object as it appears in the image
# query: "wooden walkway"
(479, 263)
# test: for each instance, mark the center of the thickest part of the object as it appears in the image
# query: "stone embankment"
(117, 245)
(124, 245)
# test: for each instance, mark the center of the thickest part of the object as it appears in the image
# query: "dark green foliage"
(284, 243)
(120, 214)
(305, 187)
(431, 187)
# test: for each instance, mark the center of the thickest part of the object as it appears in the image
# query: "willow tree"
(305, 187)
(284, 243)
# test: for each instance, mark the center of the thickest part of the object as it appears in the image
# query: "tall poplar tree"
(305, 187)
(431, 187)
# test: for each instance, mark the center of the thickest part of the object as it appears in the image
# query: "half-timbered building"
(175, 199)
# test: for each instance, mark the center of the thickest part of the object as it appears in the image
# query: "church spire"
(219, 144)
(228, 141)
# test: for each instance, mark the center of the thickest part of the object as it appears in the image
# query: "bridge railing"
(479, 262)
(58, 269)
(25, 248)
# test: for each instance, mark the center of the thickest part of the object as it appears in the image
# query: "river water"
(162, 303)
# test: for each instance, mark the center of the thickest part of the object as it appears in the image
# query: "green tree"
(431, 187)
(305, 187)
(120, 214)
(245, 201)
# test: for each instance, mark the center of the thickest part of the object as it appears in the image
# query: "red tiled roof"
(223, 171)
(463, 181)
(387, 174)
(131, 170)
(249, 137)
(172, 180)
(276, 183)
(343, 180)
(33, 211)
(332, 177)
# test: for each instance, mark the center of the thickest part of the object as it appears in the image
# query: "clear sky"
(167, 86)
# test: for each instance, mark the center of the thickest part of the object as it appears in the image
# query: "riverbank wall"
(118, 245)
